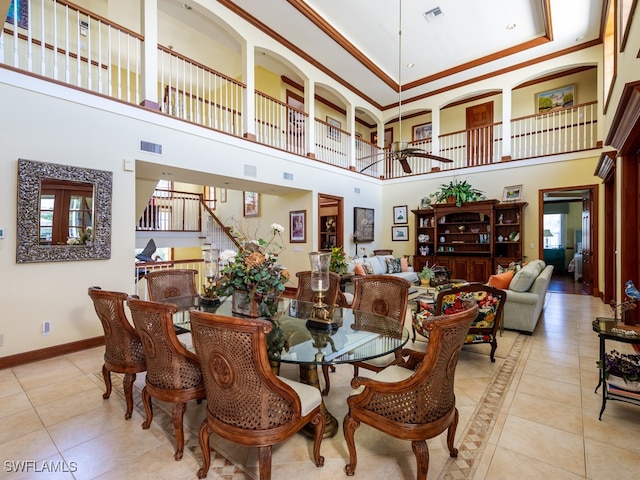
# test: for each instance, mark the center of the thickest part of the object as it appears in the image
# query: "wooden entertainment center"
(470, 240)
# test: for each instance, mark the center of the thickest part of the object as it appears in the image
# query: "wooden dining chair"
(247, 403)
(173, 372)
(415, 400)
(167, 283)
(123, 351)
(305, 293)
(384, 295)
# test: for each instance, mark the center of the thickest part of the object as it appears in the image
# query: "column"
(310, 124)
(506, 124)
(149, 86)
(249, 100)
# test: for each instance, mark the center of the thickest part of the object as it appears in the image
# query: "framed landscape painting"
(400, 214)
(557, 99)
(400, 234)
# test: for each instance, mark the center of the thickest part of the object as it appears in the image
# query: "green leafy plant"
(427, 273)
(462, 191)
(338, 262)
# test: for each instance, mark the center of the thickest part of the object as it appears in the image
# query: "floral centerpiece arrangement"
(623, 366)
(253, 275)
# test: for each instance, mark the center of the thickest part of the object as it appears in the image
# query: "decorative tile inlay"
(476, 435)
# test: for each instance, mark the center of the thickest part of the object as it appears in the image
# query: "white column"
(435, 131)
(249, 100)
(351, 126)
(310, 109)
(381, 134)
(149, 18)
(506, 123)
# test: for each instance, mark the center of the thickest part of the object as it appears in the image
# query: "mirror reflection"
(66, 213)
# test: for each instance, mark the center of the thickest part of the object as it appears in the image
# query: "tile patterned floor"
(532, 414)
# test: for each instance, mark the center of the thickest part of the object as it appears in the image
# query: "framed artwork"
(223, 195)
(298, 226)
(333, 133)
(400, 214)
(22, 17)
(512, 193)
(363, 224)
(400, 234)
(422, 132)
(251, 204)
(556, 99)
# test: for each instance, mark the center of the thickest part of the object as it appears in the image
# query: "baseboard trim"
(49, 352)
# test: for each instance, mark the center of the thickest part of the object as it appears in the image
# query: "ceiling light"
(188, 7)
(511, 26)
(411, 65)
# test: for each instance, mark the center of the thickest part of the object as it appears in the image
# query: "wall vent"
(151, 147)
(287, 176)
(356, 190)
(250, 171)
(431, 15)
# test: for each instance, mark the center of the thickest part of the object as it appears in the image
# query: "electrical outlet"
(46, 328)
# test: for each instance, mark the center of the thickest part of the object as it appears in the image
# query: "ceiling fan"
(399, 150)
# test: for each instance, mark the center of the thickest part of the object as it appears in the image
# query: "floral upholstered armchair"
(484, 328)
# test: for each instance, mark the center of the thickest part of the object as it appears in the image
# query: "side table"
(612, 329)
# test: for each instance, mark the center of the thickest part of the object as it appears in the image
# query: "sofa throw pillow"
(359, 269)
(368, 268)
(404, 264)
(393, 265)
(515, 266)
(501, 280)
(523, 279)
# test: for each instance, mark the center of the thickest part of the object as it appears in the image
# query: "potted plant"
(457, 191)
(621, 370)
(425, 275)
(338, 262)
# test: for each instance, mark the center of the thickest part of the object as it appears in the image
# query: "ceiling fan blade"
(432, 157)
(405, 164)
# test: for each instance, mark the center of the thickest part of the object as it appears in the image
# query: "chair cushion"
(310, 396)
(391, 374)
(501, 280)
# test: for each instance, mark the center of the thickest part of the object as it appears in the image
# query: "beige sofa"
(526, 296)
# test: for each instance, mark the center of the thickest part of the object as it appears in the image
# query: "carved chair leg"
(319, 422)
(327, 382)
(494, 345)
(127, 383)
(106, 374)
(451, 435)
(203, 435)
(421, 452)
(148, 408)
(349, 426)
(264, 462)
(178, 415)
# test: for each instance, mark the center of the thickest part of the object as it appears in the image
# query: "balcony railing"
(63, 42)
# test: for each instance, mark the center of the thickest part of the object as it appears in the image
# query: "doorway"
(479, 134)
(568, 238)
(330, 222)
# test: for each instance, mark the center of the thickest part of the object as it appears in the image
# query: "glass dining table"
(353, 337)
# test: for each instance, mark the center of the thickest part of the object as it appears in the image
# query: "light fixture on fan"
(399, 149)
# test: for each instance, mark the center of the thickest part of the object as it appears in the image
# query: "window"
(554, 223)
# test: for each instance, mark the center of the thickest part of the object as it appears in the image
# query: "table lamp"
(547, 234)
